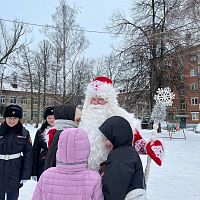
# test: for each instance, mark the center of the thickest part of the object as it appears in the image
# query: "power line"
(105, 32)
(51, 26)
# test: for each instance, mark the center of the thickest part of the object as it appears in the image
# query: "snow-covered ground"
(177, 179)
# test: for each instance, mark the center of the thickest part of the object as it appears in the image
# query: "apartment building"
(186, 106)
(15, 95)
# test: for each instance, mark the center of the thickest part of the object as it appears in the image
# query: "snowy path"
(179, 176)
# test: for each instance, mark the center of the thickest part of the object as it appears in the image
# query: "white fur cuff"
(137, 194)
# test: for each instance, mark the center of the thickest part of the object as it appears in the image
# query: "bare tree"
(26, 65)
(82, 74)
(153, 33)
(44, 55)
(68, 39)
(38, 84)
(11, 39)
(54, 80)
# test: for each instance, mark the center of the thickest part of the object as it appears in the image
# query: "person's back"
(65, 116)
(70, 179)
(128, 159)
(124, 171)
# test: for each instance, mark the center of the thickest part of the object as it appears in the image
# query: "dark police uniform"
(15, 157)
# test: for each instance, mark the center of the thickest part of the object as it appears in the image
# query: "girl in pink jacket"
(70, 179)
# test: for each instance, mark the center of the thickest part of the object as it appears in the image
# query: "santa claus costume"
(94, 115)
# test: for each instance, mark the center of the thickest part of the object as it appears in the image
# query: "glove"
(23, 181)
(34, 178)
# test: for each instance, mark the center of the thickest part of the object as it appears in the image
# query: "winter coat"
(124, 170)
(14, 140)
(70, 179)
(40, 150)
(60, 125)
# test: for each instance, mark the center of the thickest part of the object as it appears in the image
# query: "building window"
(41, 114)
(24, 100)
(35, 100)
(25, 114)
(47, 102)
(3, 100)
(182, 99)
(182, 106)
(34, 114)
(195, 116)
(198, 58)
(193, 72)
(199, 68)
(194, 86)
(182, 78)
(194, 101)
(193, 58)
(13, 100)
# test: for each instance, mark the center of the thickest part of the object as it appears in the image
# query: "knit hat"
(13, 111)
(65, 111)
(48, 111)
(102, 87)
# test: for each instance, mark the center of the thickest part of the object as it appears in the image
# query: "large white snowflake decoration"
(165, 95)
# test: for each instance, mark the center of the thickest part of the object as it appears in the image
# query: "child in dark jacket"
(66, 116)
(40, 145)
(15, 153)
(123, 177)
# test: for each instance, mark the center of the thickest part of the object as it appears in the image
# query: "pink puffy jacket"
(70, 179)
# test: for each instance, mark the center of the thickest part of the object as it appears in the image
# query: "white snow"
(197, 128)
(177, 179)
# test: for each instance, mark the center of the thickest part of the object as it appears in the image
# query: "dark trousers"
(10, 195)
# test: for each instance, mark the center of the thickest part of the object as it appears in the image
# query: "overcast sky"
(94, 15)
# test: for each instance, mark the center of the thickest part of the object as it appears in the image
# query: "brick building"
(186, 105)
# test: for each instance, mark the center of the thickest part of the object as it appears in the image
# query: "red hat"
(102, 87)
(139, 143)
(103, 79)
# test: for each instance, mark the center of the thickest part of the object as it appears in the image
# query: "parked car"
(147, 123)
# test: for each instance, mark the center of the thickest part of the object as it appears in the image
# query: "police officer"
(15, 153)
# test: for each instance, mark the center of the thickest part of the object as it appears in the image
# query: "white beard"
(91, 119)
